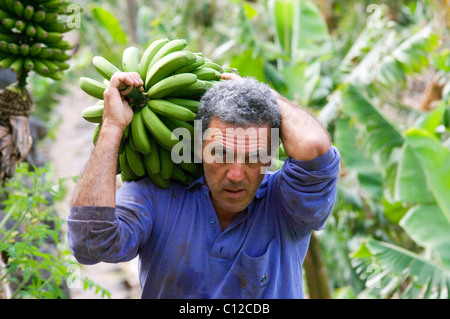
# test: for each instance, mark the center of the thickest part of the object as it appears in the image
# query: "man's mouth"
(234, 193)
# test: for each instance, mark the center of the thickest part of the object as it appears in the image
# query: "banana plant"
(31, 40)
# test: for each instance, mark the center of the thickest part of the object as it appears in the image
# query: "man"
(234, 232)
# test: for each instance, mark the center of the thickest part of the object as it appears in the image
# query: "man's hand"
(116, 111)
(230, 76)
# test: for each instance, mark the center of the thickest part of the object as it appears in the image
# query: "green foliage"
(398, 272)
(353, 70)
(37, 262)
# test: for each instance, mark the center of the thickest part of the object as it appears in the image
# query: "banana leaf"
(299, 25)
(284, 19)
(434, 159)
(396, 266)
(353, 158)
(380, 136)
(109, 21)
(249, 64)
(411, 185)
(427, 226)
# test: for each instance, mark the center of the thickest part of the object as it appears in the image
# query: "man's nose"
(236, 172)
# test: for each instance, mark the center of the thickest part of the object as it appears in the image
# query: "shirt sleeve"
(308, 188)
(111, 234)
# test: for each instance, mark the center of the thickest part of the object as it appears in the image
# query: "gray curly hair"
(243, 102)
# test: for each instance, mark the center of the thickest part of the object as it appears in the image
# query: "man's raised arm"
(302, 135)
(97, 186)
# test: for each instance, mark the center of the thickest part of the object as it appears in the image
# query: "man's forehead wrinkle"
(232, 141)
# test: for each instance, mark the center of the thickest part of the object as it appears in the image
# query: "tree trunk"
(315, 271)
(433, 92)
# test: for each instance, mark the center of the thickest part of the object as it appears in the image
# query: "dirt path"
(69, 153)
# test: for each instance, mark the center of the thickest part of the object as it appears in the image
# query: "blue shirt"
(182, 250)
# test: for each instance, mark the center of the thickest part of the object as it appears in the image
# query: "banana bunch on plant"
(31, 39)
(174, 81)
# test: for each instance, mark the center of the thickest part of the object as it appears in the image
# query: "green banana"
(61, 65)
(151, 160)
(227, 69)
(172, 124)
(169, 109)
(40, 67)
(195, 90)
(9, 23)
(4, 46)
(131, 142)
(209, 83)
(28, 64)
(92, 87)
(166, 65)
(9, 5)
(135, 161)
(212, 65)
(179, 175)
(13, 48)
(45, 53)
(57, 27)
(148, 55)
(35, 48)
(130, 59)
(51, 38)
(7, 37)
(93, 113)
(171, 84)
(169, 47)
(96, 133)
(190, 67)
(63, 45)
(41, 34)
(28, 12)
(30, 30)
(104, 67)
(50, 17)
(58, 75)
(187, 103)
(20, 25)
(50, 65)
(166, 163)
(4, 14)
(17, 64)
(59, 55)
(18, 8)
(204, 73)
(28, 27)
(159, 130)
(140, 134)
(159, 181)
(39, 16)
(192, 168)
(126, 173)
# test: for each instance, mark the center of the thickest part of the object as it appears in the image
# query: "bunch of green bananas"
(31, 37)
(174, 81)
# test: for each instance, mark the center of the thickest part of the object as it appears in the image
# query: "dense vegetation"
(377, 77)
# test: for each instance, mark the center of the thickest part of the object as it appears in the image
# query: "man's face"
(233, 170)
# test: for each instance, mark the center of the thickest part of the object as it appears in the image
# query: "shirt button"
(212, 221)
